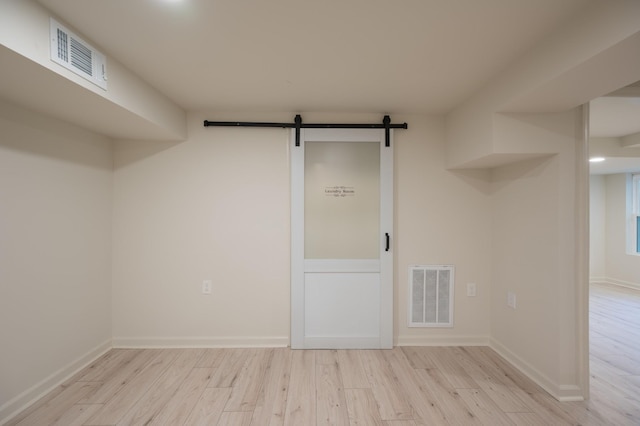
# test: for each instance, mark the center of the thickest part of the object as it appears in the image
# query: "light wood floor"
(401, 387)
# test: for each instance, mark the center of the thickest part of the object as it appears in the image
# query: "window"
(636, 210)
(633, 213)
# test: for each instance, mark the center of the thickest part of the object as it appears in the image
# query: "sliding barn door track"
(298, 124)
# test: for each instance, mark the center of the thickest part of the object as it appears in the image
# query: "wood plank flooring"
(409, 386)
(615, 353)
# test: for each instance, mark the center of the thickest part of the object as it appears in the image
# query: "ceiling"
(414, 56)
(418, 56)
(614, 117)
(617, 116)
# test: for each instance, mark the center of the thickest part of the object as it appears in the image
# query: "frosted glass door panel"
(342, 200)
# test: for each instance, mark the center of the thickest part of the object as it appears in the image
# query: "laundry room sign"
(339, 191)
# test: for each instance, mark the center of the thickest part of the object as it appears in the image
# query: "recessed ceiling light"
(596, 159)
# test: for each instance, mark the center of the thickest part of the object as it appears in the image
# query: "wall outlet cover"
(472, 289)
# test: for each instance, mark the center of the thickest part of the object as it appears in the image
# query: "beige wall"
(620, 267)
(442, 217)
(597, 227)
(136, 108)
(533, 244)
(609, 260)
(213, 207)
(217, 207)
(55, 252)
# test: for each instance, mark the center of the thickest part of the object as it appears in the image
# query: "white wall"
(217, 207)
(597, 227)
(55, 252)
(620, 267)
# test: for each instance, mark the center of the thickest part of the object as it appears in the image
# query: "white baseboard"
(442, 341)
(563, 393)
(31, 395)
(15, 405)
(201, 342)
(614, 281)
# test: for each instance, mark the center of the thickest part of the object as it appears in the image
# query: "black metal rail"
(298, 124)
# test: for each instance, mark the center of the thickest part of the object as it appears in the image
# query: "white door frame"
(385, 338)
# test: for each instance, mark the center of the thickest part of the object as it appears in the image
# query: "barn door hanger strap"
(298, 124)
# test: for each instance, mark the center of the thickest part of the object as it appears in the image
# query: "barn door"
(341, 249)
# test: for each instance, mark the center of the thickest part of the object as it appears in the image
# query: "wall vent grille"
(73, 53)
(431, 296)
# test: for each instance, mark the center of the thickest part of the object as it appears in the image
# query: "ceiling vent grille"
(73, 53)
(431, 296)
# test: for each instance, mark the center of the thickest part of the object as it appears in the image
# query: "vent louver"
(81, 57)
(63, 45)
(431, 296)
(73, 53)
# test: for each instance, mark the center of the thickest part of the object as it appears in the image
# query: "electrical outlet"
(511, 300)
(471, 289)
(206, 287)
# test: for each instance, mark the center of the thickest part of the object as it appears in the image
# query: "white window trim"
(633, 211)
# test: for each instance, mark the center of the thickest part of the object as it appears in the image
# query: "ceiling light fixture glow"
(596, 159)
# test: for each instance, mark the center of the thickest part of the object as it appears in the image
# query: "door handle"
(388, 240)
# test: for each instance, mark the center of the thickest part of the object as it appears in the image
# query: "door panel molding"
(341, 265)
